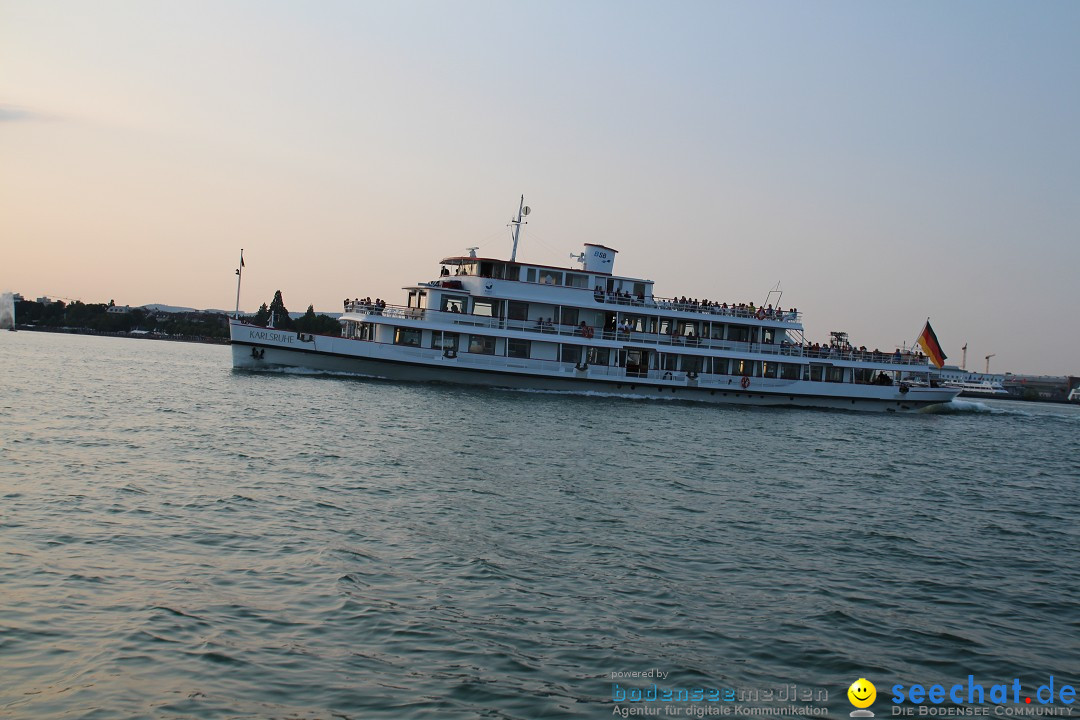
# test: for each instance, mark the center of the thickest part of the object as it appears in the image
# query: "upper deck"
(587, 289)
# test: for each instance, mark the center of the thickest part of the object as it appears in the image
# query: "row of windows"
(550, 276)
(518, 348)
(515, 310)
(555, 277)
(639, 360)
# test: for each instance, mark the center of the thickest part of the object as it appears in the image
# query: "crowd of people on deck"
(623, 297)
(723, 308)
(847, 351)
(376, 306)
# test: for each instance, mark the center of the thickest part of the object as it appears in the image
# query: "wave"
(956, 406)
(314, 372)
(593, 393)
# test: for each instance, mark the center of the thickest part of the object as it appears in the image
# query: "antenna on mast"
(523, 211)
(775, 291)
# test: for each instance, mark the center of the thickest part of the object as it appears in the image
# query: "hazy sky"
(884, 161)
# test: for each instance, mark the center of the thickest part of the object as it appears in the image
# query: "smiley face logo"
(862, 693)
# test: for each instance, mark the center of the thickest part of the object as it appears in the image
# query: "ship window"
(665, 326)
(570, 353)
(668, 361)
(864, 376)
(517, 310)
(599, 356)
(738, 333)
(835, 374)
(452, 304)
(720, 366)
(569, 316)
(717, 331)
(482, 344)
(578, 281)
(518, 348)
(745, 367)
(530, 274)
(691, 363)
(412, 299)
(444, 340)
(551, 278)
(789, 371)
(484, 307)
(637, 322)
(768, 335)
(406, 336)
(768, 369)
(817, 372)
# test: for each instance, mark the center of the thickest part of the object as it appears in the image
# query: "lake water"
(181, 540)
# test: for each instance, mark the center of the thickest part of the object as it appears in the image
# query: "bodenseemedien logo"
(862, 694)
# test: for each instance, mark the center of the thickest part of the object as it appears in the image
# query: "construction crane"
(963, 362)
(988, 362)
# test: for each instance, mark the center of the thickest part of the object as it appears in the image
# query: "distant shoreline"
(1012, 397)
(206, 340)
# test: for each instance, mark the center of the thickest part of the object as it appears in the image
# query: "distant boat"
(7, 311)
(1074, 395)
(512, 324)
(980, 388)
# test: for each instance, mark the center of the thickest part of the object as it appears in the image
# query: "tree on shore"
(263, 316)
(279, 313)
(318, 324)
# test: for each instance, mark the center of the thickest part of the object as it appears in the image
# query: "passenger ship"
(510, 324)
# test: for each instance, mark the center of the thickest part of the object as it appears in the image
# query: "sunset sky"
(884, 162)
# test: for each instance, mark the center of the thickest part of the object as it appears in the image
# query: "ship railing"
(712, 309)
(776, 315)
(543, 327)
(659, 303)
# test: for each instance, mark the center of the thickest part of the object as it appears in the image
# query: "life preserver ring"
(745, 382)
(761, 313)
(587, 331)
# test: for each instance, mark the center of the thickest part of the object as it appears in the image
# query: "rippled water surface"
(181, 540)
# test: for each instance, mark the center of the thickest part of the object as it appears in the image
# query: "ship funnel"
(598, 258)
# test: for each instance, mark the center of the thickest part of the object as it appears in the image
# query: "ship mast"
(523, 211)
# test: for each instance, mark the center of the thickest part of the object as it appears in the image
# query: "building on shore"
(1041, 387)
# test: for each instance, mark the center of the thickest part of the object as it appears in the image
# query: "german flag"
(930, 345)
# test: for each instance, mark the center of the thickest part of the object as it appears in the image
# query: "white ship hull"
(983, 389)
(262, 349)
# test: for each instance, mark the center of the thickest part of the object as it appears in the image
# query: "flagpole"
(916, 341)
(239, 277)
